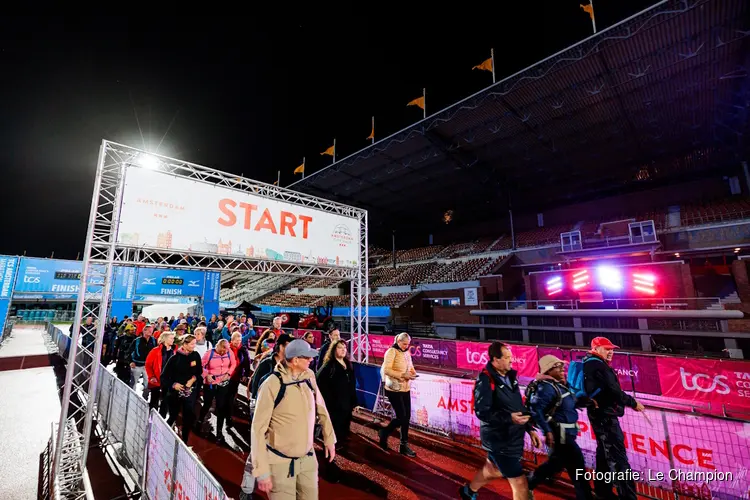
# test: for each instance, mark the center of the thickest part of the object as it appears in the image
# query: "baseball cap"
(602, 342)
(298, 348)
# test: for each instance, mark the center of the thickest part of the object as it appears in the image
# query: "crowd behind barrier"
(706, 385)
(682, 447)
(158, 461)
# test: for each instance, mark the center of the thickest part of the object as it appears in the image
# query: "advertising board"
(163, 211)
(169, 282)
(58, 278)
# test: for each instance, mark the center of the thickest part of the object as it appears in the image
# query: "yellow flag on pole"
(485, 66)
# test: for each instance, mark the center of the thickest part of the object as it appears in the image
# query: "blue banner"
(169, 282)
(120, 309)
(8, 266)
(124, 288)
(212, 287)
(368, 384)
(4, 305)
(58, 277)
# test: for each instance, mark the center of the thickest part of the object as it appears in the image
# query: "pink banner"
(473, 356)
(717, 382)
(668, 449)
(317, 336)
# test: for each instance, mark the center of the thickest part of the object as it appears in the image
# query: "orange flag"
(300, 169)
(589, 9)
(419, 101)
(485, 66)
(372, 132)
(330, 151)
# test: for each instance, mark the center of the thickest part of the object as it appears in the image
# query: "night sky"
(235, 95)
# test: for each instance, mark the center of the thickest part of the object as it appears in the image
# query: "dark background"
(235, 95)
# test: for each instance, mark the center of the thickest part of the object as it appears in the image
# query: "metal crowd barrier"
(158, 461)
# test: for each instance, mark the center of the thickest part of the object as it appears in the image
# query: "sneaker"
(405, 450)
(465, 493)
(383, 439)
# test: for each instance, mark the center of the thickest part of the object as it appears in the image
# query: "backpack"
(533, 388)
(282, 389)
(576, 380)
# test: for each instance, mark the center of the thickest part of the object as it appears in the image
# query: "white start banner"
(164, 211)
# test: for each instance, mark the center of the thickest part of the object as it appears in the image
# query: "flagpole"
(373, 130)
(593, 17)
(278, 178)
(424, 102)
(492, 58)
(334, 150)
(303, 167)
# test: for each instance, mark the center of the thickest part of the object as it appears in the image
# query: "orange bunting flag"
(485, 66)
(275, 183)
(300, 169)
(419, 101)
(330, 151)
(372, 134)
(589, 9)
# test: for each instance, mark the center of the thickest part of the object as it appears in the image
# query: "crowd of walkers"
(300, 395)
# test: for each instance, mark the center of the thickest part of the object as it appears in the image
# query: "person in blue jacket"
(554, 410)
(504, 423)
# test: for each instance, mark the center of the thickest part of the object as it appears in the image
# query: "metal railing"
(676, 303)
(145, 446)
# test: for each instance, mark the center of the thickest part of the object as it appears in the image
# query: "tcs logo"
(415, 351)
(703, 383)
(35, 280)
(476, 358)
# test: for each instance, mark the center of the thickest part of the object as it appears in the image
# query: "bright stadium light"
(147, 161)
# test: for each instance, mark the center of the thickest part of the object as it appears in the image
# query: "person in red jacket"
(155, 361)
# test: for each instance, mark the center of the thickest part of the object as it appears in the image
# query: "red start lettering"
(283, 223)
(645, 445)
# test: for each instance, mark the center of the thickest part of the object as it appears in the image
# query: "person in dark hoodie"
(178, 378)
(141, 347)
(504, 422)
(554, 410)
(602, 384)
(266, 366)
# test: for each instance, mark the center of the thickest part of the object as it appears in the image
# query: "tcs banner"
(161, 210)
(473, 356)
(713, 381)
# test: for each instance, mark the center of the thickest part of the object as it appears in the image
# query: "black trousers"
(401, 404)
(611, 457)
(566, 456)
(219, 393)
(186, 406)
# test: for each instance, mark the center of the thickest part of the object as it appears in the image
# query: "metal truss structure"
(103, 252)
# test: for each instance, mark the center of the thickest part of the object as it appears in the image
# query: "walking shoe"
(465, 493)
(405, 450)
(383, 439)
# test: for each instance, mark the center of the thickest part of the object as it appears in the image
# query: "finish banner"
(162, 210)
(717, 382)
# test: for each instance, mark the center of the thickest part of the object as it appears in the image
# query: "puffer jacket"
(395, 364)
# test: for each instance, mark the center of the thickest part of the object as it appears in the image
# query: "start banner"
(162, 210)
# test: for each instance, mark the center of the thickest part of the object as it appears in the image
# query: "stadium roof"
(662, 95)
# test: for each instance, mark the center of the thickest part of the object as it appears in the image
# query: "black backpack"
(533, 388)
(282, 389)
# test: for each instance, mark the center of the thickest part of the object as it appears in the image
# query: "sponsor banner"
(124, 288)
(212, 286)
(317, 336)
(636, 373)
(668, 449)
(433, 352)
(716, 382)
(473, 356)
(8, 265)
(58, 277)
(169, 282)
(162, 210)
(4, 305)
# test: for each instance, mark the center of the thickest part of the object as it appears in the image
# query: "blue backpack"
(576, 380)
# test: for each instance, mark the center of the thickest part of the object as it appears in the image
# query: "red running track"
(367, 472)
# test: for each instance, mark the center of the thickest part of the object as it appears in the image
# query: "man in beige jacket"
(281, 438)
